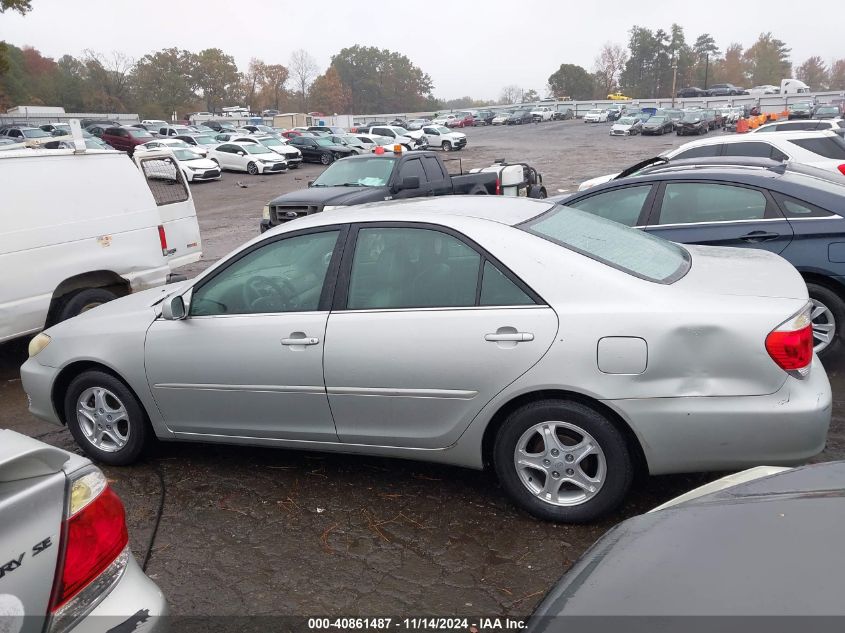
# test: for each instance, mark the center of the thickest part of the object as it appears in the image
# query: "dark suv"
(724, 90)
(742, 202)
(520, 116)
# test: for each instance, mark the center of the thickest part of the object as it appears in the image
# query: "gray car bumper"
(37, 380)
(709, 433)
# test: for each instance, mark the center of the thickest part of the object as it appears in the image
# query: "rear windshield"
(827, 146)
(626, 249)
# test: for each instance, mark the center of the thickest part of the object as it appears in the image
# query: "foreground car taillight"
(94, 550)
(841, 169)
(791, 343)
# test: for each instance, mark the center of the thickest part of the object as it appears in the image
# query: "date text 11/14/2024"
(468, 625)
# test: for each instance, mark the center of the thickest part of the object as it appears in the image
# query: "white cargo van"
(78, 229)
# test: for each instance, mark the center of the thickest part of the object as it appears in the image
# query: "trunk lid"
(32, 500)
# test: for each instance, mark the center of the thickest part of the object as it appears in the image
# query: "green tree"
(70, 75)
(164, 82)
(571, 80)
(531, 95)
(275, 77)
(707, 60)
(21, 6)
(380, 80)
(216, 75)
(813, 72)
(328, 94)
(768, 60)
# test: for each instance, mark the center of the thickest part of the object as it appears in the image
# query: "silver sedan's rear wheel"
(105, 418)
(563, 461)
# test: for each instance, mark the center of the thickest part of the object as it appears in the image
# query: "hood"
(286, 150)
(201, 163)
(622, 126)
(317, 196)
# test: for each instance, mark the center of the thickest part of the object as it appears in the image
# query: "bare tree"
(609, 64)
(303, 70)
(111, 75)
(510, 94)
(254, 77)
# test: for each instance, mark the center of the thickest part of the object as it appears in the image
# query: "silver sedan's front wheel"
(105, 418)
(563, 461)
(560, 463)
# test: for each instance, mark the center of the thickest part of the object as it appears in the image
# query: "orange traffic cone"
(742, 126)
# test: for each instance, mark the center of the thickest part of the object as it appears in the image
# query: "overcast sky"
(468, 48)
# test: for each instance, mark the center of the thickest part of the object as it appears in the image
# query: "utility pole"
(674, 77)
(706, 68)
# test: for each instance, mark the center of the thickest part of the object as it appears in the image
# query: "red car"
(126, 138)
(464, 119)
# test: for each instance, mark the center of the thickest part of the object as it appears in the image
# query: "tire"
(83, 300)
(828, 310)
(446, 146)
(578, 424)
(132, 431)
(252, 168)
(326, 158)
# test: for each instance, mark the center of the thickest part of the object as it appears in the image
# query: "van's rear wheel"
(82, 301)
(105, 418)
(563, 461)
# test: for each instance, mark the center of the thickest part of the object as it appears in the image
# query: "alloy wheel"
(560, 463)
(103, 419)
(824, 325)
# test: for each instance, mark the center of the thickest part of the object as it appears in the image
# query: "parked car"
(320, 150)
(520, 117)
(692, 123)
(410, 140)
(825, 111)
(29, 136)
(714, 118)
(658, 124)
(418, 124)
(486, 116)
(262, 130)
(123, 235)
(335, 130)
(172, 143)
(542, 113)
(563, 114)
(10, 144)
(618, 96)
(766, 89)
(462, 119)
(91, 142)
(501, 117)
(96, 130)
(724, 90)
(444, 138)
(198, 140)
(64, 528)
(763, 207)
(372, 178)
(253, 158)
(269, 113)
(220, 126)
(626, 126)
(126, 139)
(691, 92)
(824, 150)
(834, 125)
(593, 374)
(596, 115)
(615, 111)
(708, 553)
(57, 129)
(292, 156)
(800, 110)
(195, 168)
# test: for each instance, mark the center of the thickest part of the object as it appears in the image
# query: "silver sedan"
(563, 350)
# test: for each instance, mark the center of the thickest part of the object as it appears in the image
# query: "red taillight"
(498, 187)
(791, 344)
(162, 237)
(93, 538)
(841, 169)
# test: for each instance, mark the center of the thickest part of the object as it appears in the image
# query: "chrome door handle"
(510, 336)
(300, 341)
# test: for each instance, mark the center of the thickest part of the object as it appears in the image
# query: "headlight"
(265, 212)
(333, 207)
(38, 343)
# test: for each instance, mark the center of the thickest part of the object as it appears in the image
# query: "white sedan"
(253, 158)
(196, 168)
(279, 145)
(596, 116)
(172, 144)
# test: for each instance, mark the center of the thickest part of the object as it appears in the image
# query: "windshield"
(441, 129)
(270, 142)
(256, 148)
(692, 117)
(352, 140)
(627, 120)
(626, 249)
(135, 133)
(658, 119)
(361, 172)
(35, 133)
(205, 140)
(184, 154)
(401, 131)
(325, 142)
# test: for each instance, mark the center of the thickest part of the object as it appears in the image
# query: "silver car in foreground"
(562, 349)
(65, 563)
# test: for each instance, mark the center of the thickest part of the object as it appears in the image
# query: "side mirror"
(241, 153)
(173, 308)
(410, 182)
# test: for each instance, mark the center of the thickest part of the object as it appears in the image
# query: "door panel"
(417, 378)
(232, 375)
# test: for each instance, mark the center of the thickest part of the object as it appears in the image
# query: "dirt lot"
(273, 532)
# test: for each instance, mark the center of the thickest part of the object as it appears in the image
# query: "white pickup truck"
(542, 113)
(65, 562)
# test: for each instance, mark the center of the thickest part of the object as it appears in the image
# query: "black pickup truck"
(373, 178)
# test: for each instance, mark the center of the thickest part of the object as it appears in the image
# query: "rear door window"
(433, 170)
(832, 147)
(412, 168)
(623, 205)
(702, 151)
(695, 202)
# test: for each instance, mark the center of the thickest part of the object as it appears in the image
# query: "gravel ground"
(275, 532)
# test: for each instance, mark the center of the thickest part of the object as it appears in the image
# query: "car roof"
(499, 209)
(724, 553)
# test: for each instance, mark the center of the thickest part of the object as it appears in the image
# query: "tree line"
(645, 68)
